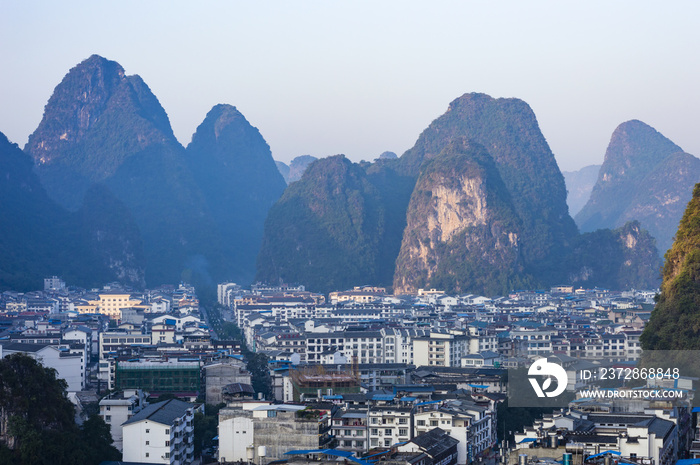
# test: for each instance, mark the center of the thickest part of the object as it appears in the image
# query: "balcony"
(353, 424)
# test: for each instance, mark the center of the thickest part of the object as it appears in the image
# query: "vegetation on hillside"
(328, 229)
(343, 224)
(233, 168)
(39, 238)
(675, 321)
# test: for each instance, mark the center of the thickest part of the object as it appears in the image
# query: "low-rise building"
(276, 428)
(117, 408)
(389, 425)
(161, 433)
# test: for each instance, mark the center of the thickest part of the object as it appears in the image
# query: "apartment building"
(350, 430)
(389, 425)
(440, 349)
(160, 433)
(471, 424)
(117, 408)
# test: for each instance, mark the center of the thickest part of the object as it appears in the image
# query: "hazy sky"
(362, 77)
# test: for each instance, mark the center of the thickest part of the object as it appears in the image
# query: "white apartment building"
(388, 425)
(277, 429)
(527, 343)
(398, 343)
(160, 433)
(350, 429)
(117, 408)
(107, 372)
(644, 437)
(366, 346)
(440, 349)
(111, 341)
(224, 292)
(471, 424)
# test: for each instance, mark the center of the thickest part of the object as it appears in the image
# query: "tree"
(39, 420)
(259, 373)
(206, 427)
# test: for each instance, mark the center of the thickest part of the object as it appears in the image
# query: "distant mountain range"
(579, 185)
(477, 205)
(296, 168)
(644, 177)
(200, 211)
(104, 191)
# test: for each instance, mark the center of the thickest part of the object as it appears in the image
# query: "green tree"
(259, 373)
(206, 427)
(40, 419)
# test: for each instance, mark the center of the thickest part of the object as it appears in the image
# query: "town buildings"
(160, 433)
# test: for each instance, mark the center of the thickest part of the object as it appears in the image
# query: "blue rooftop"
(337, 453)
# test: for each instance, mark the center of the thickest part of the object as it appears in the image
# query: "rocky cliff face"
(233, 167)
(508, 130)
(675, 321)
(644, 177)
(295, 170)
(462, 232)
(495, 220)
(624, 258)
(283, 168)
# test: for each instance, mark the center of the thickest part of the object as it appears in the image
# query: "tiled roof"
(165, 412)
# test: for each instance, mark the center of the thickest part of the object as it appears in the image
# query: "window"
(167, 443)
(403, 421)
(148, 443)
(387, 432)
(148, 431)
(271, 413)
(421, 422)
(147, 454)
(167, 455)
(108, 418)
(403, 431)
(109, 408)
(433, 423)
(375, 432)
(167, 431)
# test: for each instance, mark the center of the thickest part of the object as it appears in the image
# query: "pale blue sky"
(362, 77)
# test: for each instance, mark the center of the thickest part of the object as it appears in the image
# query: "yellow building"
(111, 303)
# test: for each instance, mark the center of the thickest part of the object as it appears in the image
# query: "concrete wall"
(218, 376)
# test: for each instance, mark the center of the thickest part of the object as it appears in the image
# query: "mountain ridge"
(645, 177)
